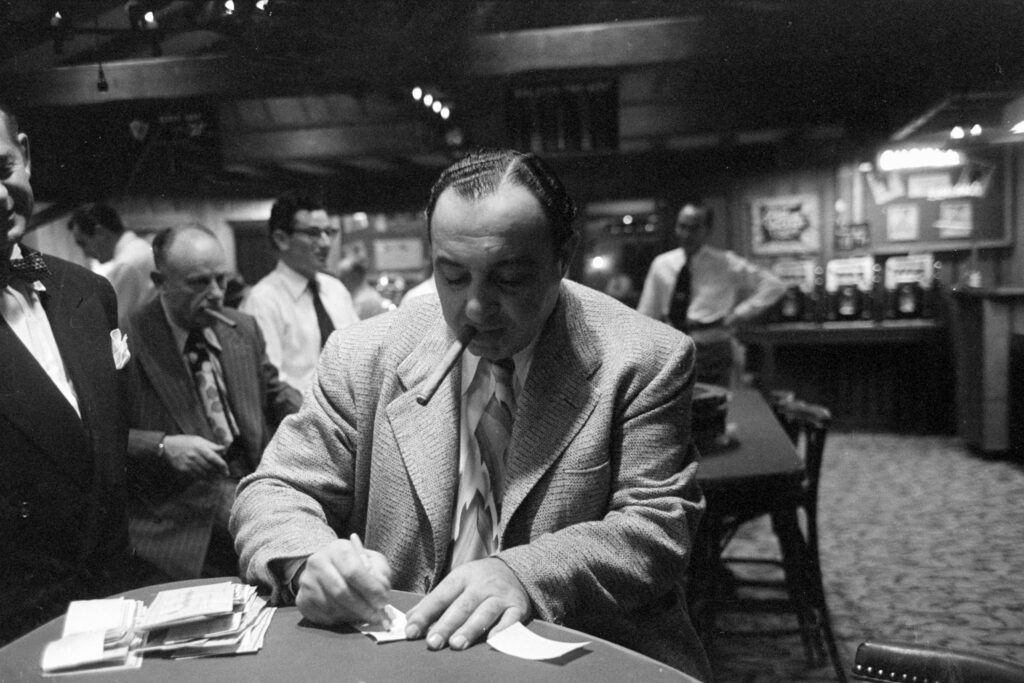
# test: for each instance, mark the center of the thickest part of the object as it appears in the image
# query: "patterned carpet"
(921, 541)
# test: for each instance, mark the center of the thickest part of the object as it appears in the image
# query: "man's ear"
(280, 239)
(23, 143)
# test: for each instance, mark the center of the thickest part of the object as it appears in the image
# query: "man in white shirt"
(706, 292)
(121, 256)
(296, 305)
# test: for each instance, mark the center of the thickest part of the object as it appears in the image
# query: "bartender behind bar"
(550, 474)
(706, 292)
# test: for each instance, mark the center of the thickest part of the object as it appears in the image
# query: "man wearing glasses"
(297, 305)
(204, 401)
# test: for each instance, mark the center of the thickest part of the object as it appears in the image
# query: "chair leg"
(798, 581)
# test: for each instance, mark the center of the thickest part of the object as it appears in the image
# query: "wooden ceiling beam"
(396, 138)
(622, 44)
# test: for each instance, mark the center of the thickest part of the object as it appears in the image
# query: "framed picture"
(785, 225)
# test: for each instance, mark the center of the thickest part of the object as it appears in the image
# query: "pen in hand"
(382, 615)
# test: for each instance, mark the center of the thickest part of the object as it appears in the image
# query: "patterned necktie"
(29, 268)
(680, 304)
(210, 385)
(477, 529)
(322, 319)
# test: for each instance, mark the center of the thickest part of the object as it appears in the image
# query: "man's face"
(305, 249)
(16, 198)
(91, 245)
(193, 279)
(692, 229)
(495, 267)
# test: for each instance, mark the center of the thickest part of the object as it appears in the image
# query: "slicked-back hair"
(165, 239)
(482, 173)
(282, 214)
(10, 120)
(91, 215)
(706, 212)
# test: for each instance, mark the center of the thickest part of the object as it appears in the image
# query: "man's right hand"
(340, 584)
(195, 456)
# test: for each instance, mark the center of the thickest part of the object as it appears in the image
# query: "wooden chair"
(798, 587)
(895, 661)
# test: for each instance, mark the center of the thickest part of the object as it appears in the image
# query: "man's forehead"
(316, 217)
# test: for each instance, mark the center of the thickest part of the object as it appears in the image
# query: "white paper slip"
(183, 605)
(519, 641)
(81, 652)
(395, 630)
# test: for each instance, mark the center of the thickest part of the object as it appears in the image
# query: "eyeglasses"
(317, 233)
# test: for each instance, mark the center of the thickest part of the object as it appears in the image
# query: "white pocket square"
(119, 345)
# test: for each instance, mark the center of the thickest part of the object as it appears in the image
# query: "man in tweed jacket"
(600, 504)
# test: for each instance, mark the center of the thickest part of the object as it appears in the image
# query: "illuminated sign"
(918, 157)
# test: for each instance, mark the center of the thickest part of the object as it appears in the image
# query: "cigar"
(451, 357)
(217, 315)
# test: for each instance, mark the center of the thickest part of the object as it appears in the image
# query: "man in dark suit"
(63, 534)
(204, 399)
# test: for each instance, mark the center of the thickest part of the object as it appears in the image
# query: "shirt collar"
(181, 334)
(522, 359)
(295, 283)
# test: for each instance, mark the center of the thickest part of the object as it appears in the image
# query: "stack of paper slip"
(235, 621)
(98, 634)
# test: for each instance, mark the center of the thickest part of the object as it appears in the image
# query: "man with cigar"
(204, 400)
(551, 475)
(63, 531)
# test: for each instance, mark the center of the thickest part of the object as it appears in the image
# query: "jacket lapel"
(428, 436)
(241, 379)
(556, 402)
(26, 393)
(157, 351)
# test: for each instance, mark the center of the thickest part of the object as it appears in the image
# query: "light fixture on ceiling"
(101, 79)
(918, 157)
(59, 28)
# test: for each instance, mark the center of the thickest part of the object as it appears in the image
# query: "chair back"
(812, 422)
(894, 661)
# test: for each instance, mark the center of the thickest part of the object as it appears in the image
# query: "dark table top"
(762, 455)
(295, 650)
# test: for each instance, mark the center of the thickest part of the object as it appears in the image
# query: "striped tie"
(478, 517)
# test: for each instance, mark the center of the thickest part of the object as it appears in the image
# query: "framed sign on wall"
(789, 224)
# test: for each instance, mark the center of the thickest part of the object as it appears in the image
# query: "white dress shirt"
(24, 313)
(722, 283)
(129, 272)
(282, 304)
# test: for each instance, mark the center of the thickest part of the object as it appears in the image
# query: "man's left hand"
(475, 598)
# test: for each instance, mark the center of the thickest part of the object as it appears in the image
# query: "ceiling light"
(445, 113)
(957, 133)
(436, 106)
(1017, 128)
(229, 7)
(976, 130)
(428, 99)
(417, 93)
(261, 5)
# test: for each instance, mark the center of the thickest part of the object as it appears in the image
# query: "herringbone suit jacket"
(600, 505)
(171, 514)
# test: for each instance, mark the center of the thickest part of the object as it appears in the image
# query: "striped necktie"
(482, 481)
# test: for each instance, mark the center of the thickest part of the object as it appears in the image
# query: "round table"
(296, 650)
